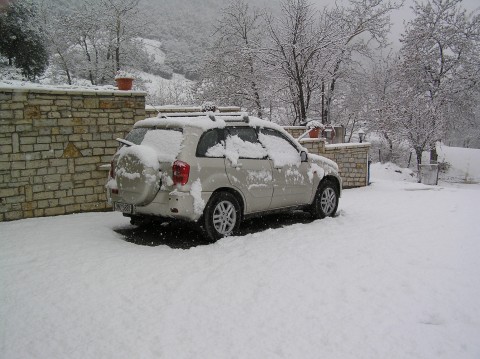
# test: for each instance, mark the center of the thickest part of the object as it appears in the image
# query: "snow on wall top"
(24, 86)
(348, 144)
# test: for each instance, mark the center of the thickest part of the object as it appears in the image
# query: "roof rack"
(225, 116)
(235, 117)
(182, 114)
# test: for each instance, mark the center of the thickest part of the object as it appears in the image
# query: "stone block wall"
(352, 159)
(53, 143)
(297, 131)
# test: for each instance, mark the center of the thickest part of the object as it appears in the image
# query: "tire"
(325, 203)
(140, 221)
(222, 216)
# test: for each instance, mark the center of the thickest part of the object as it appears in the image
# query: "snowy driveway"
(395, 275)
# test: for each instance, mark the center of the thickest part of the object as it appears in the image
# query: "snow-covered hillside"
(153, 48)
(394, 275)
(163, 91)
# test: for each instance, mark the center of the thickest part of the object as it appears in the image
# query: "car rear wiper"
(125, 142)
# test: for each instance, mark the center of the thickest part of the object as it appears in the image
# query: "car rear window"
(167, 143)
(136, 135)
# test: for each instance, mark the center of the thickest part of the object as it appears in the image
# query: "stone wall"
(297, 131)
(53, 143)
(352, 158)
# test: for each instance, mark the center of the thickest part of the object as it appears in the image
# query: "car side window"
(242, 142)
(244, 133)
(211, 144)
(280, 149)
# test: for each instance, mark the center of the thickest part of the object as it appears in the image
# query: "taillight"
(112, 169)
(181, 171)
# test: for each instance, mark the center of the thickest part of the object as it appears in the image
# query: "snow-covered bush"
(314, 124)
(9, 72)
(444, 166)
(122, 74)
(209, 107)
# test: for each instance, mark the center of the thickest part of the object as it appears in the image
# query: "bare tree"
(172, 92)
(441, 69)
(383, 80)
(123, 23)
(233, 72)
(353, 104)
(55, 24)
(92, 39)
(360, 22)
(302, 42)
(88, 35)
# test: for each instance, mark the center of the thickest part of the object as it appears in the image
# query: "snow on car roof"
(205, 121)
(202, 121)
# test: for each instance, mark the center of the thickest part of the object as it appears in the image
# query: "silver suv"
(216, 170)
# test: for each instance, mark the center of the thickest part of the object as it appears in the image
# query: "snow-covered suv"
(216, 170)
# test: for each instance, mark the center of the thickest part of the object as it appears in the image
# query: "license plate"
(123, 207)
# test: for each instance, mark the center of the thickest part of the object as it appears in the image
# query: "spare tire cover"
(137, 174)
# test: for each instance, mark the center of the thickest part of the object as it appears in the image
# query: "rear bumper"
(175, 204)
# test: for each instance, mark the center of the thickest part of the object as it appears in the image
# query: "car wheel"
(222, 216)
(325, 203)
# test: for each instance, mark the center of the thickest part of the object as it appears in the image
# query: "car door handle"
(237, 165)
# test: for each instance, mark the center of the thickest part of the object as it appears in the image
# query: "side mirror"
(304, 156)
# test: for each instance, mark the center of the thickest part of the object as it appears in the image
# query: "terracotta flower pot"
(124, 83)
(314, 132)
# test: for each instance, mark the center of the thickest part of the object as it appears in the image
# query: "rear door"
(248, 167)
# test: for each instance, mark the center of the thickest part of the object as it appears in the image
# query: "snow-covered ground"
(394, 275)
